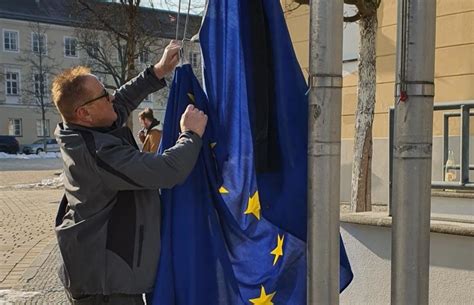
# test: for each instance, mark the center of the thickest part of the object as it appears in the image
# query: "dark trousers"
(113, 299)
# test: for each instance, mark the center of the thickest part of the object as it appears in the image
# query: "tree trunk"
(362, 156)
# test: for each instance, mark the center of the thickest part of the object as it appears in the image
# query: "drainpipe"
(412, 152)
(324, 151)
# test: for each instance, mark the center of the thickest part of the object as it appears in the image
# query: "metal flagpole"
(324, 145)
(412, 152)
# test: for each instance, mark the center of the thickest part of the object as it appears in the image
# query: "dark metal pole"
(464, 144)
(391, 118)
(445, 143)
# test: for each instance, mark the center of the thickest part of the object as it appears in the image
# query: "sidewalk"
(28, 252)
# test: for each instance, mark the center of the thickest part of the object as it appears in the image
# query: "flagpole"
(324, 146)
(412, 152)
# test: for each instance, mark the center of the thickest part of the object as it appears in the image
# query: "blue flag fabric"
(235, 231)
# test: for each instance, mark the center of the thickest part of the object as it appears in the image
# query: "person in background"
(150, 135)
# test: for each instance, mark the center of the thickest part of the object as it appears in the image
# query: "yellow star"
(264, 299)
(278, 251)
(223, 190)
(191, 97)
(254, 206)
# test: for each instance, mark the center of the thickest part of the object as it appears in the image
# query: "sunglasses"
(105, 94)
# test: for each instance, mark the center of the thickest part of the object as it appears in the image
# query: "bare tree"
(42, 67)
(115, 36)
(122, 37)
(366, 15)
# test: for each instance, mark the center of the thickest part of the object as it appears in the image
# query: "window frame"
(4, 31)
(76, 49)
(45, 43)
(94, 50)
(20, 127)
(48, 125)
(144, 54)
(194, 59)
(18, 81)
(37, 82)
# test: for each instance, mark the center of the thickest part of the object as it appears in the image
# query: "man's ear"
(83, 115)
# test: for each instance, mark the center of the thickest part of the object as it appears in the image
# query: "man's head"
(82, 99)
(146, 118)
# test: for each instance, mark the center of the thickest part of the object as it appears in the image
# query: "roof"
(59, 12)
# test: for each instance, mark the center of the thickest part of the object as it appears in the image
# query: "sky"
(197, 6)
(351, 30)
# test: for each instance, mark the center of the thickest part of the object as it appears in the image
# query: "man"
(109, 219)
(150, 135)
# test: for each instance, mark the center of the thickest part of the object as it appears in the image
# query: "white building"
(28, 27)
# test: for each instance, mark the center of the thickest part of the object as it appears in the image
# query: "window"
(121, 53)
(40, 130)
(144, 56)
(14, 127)
(10, 41)
(70, 47)
(93, 49)
(12, 82)
(38, 89)
(38, 43)
(194, 59)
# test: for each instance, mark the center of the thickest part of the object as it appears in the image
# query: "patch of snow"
(45, 183)
(42, 155)
(8, 296)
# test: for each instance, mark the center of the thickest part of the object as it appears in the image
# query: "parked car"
(37, 146)
(9, 144)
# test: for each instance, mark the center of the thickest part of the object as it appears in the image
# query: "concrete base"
(369, 250)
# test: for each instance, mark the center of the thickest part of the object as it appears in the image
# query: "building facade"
(454, 79)
(368, 236)
(34, 31)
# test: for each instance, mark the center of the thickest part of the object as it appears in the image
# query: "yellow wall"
(454, 60)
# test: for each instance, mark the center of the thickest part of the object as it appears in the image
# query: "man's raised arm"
(130, 95)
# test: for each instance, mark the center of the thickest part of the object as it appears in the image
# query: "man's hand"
(193, 119)
(169, 60)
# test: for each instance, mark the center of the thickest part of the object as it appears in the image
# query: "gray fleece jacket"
(108, 224)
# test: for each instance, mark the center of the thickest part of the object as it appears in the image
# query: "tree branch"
(100, 18)
(354, 18)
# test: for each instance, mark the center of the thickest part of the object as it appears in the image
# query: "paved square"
(28, 252)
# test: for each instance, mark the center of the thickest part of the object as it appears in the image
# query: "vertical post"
(413, 152)
(445, 142)
(391, 119)
(464, 144)
(324, 146)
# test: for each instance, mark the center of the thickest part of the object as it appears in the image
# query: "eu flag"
(235, 231)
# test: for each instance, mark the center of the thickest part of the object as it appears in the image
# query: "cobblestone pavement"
(28, 252)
